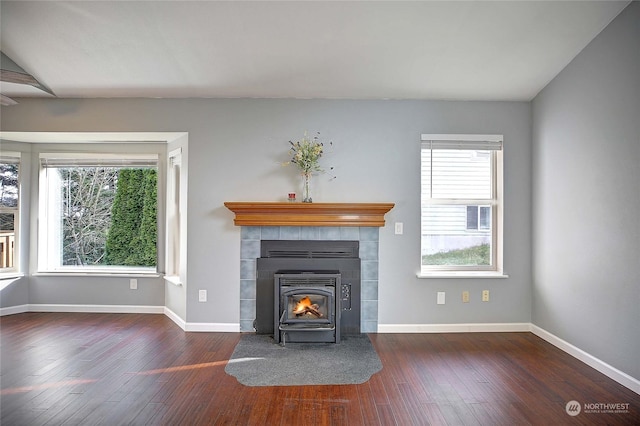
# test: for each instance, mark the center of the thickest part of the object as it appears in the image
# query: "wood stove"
(306, 308)
(303, 268)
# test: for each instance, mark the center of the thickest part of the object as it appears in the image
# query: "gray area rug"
(258, 361)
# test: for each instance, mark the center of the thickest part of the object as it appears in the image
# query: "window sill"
(173, 279)
(461, 274)
(10, 275)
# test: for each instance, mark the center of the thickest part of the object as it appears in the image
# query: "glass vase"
(306, 188)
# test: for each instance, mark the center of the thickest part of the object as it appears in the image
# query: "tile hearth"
(251, 236)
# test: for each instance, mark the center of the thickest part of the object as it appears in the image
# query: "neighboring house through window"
(478, 217)
(9, 210)
(461, 219)
(98, 212)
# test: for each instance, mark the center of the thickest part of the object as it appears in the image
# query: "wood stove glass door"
(307, 305)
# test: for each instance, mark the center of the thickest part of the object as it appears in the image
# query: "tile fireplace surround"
(312, 222)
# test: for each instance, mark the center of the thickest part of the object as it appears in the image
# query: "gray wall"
(235, 147)
(586, 137)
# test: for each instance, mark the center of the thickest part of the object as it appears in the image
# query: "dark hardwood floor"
(120, 369)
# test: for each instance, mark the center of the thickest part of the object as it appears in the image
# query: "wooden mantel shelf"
(250, 213)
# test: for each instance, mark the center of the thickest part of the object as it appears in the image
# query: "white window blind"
(62, 160)
(10, 157)
(458, 169)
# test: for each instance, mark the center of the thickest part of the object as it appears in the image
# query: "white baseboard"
(175, 318)
(110, 309)
(213, 327)
(11, 310)
(126, 309)
(209, 327)
(613, 373)
(454, 328)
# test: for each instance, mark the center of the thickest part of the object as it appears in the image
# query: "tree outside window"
(108, 216)
(9, 202)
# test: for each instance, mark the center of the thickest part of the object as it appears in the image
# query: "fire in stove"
(306, 308)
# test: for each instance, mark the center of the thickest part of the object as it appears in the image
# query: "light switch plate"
(440, 300)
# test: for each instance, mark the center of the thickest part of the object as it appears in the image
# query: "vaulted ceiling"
(454, 50)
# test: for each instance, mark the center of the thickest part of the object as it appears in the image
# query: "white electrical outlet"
(440, 300)
(465, 297)
(399, 228)
(133, 284)
(202, 295)
(485, 295)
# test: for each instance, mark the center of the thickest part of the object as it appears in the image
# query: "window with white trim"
(174, 220)
(461, 203)
(9, 210)
(98, 212)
